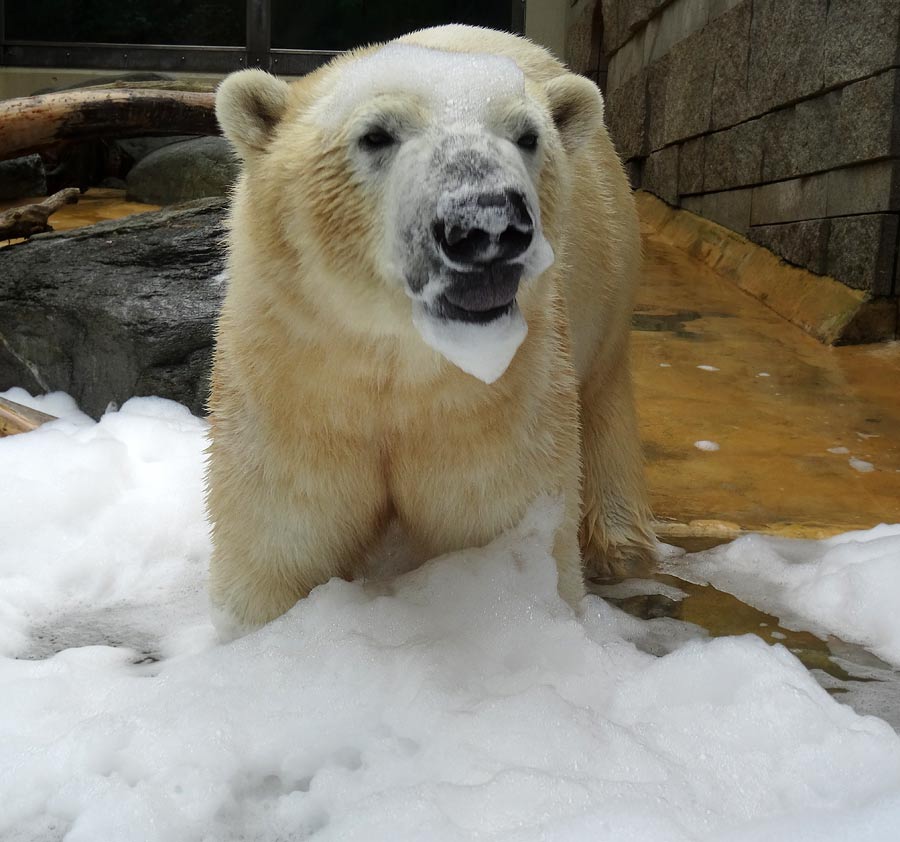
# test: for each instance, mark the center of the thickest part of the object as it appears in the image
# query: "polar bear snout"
(481, 238)
(482, 229)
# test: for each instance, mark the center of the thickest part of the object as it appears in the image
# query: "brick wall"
(779, 119)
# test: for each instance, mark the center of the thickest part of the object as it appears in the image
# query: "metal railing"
(169, 58)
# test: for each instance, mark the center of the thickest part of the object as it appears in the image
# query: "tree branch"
(15, 418)
(28, 220)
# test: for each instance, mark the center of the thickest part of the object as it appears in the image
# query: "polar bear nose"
(485, 228)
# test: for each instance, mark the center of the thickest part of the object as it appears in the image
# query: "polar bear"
(432, 255)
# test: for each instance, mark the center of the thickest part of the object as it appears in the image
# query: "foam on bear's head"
(461, 84)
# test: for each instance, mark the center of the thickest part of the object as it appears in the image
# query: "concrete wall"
(779, 119)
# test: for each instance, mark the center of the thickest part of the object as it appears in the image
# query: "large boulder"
(22, 177)
(138, 148)
(122, 308)
(182, 172)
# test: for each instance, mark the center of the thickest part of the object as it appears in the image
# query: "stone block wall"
(779, 119)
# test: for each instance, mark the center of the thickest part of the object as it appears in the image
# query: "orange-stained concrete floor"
(776, 405)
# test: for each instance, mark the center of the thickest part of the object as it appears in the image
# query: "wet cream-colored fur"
(331, 418)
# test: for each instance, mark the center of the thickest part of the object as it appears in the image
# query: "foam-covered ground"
(848, 585)
(463, 701)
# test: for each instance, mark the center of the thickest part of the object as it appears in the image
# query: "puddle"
(847, 671)
(675, 323)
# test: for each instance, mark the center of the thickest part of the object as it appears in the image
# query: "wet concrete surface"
(808, 435)
(808, 446)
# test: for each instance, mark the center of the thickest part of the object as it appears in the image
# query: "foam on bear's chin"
(482, 350)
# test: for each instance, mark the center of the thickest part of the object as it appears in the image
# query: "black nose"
(485, 228)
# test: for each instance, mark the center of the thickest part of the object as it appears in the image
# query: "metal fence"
(257, 50)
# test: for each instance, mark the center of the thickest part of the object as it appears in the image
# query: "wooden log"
(173, 85)
(15, 418)
(29, 124)
(28, 220)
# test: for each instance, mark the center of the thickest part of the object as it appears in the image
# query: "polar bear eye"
(376, 139)
(528, 140)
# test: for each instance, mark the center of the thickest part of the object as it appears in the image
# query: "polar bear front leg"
(617, 528)
(281, 530)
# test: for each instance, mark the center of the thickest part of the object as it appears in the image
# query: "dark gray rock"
(119, 309)
(138, 148)
(730, 35)
(626, 115)
(733, 157)
(863, 37)
(787, 51)
(660, 174)
(690, 166)
(22, 177)
(861, 251)
(182, 172)
(801, 243)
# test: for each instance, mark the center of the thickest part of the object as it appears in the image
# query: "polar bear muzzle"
(479, 237)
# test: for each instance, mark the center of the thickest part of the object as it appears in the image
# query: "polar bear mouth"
(445, 309)
(479, 296)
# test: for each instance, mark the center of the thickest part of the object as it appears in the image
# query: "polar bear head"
(435, 177)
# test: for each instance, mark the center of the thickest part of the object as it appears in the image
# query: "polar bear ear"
(576, 107)
(249, 105)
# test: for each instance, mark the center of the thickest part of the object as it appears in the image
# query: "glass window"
(219, 23)
(341, 24)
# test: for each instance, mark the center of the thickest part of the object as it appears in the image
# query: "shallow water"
(847, 671)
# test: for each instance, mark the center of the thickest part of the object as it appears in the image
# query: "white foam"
(482, 350)
(461, 85)
(464, 700)
(709, 446)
